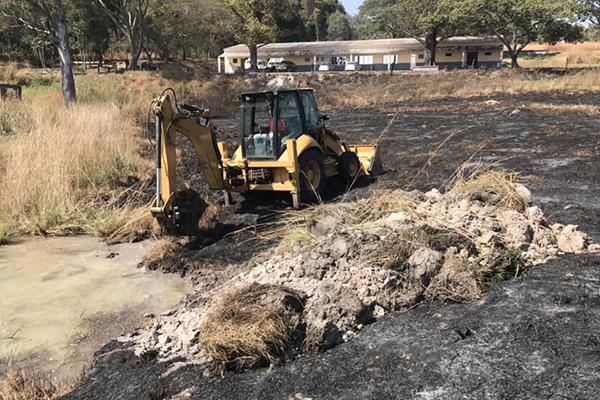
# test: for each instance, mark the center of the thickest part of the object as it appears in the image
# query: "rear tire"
(312, 176)
(349, 167)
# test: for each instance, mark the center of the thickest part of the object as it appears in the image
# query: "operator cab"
(269, 119)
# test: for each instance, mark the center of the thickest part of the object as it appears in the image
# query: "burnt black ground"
(536, 338)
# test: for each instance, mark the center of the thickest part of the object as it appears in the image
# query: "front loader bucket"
(369, 158)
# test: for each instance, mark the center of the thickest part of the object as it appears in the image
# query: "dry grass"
(138, 226)
(67, 169)
(22, 385)
(383, 92)
(242, 329)
(564, 55)
(63, 169)
(496, 188)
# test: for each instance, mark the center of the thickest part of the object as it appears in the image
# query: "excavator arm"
(180, 211)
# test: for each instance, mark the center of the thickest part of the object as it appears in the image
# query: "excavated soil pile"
(347, 264)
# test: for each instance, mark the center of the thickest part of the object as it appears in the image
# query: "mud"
(63, 298)
(518, 342)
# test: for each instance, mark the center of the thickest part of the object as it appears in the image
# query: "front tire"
(349, 167)
(312, 176)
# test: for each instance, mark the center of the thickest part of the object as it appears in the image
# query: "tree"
(339, 27)
(128, 17)
(90, 27)
(591, 11)
(257, 19)
(427, 21)
(47, 18)
(519, 22)
(316, 15)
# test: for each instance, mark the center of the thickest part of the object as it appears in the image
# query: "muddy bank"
(63, 298)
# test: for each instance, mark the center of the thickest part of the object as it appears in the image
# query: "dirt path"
(63, 298)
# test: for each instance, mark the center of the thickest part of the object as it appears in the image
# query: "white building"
(375, 55)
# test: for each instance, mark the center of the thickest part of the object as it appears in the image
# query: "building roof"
(357, 46)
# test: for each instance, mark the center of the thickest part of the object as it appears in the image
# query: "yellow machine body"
(233, 172)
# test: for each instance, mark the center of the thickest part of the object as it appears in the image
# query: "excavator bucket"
(369, 158)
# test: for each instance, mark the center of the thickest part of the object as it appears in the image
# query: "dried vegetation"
(249, 325)
(23, 385)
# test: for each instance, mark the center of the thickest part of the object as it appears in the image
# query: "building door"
(472, 59)
(413, 61)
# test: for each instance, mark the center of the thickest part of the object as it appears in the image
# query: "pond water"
(63, 298)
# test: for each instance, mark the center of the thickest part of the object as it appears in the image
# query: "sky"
(351, 6)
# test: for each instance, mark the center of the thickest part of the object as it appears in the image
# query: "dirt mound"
(355, 261)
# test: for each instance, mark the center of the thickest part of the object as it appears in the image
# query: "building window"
(389, 58)
(448, 54)
(421, 56)
(235, 60)
(488, 53)
(306, 59)
(365, 60)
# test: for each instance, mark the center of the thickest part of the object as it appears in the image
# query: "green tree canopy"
(427, 21)
(339, 27)
(519, 22)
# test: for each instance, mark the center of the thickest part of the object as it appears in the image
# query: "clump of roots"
(497, 188)
(250, 326)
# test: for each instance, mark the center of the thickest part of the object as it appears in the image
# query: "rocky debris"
(570, 240)
(514, 113)
(281, 82)
(429, 247)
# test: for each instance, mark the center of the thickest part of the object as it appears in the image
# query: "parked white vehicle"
(325, 67)
(260, 64)
(272, 63)
(351, 66)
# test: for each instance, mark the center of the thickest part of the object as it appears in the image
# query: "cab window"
(290, 125)
(310, 110)
(258, 141)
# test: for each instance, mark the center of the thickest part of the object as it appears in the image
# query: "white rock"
(378, 311)
(397, 219)
(433, 195)
(524, 193)
(572, 240)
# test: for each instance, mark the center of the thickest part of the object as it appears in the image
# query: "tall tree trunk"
(64, 53)
(431, 43)
(136, 51)
(253, 57)
(514, 57)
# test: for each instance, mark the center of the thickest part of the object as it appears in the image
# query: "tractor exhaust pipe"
(158, 124)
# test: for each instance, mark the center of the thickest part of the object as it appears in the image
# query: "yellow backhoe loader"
(284, 147)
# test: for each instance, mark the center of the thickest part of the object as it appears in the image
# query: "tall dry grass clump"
(56, 173)
(22, 385)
